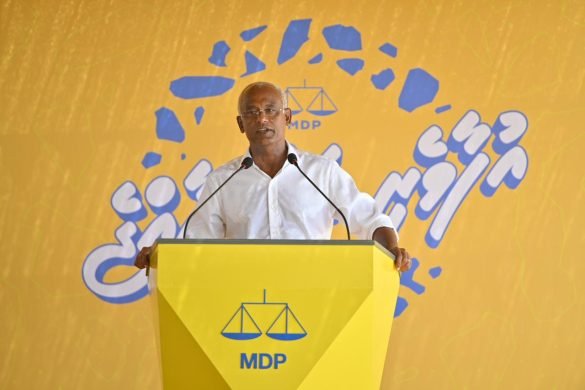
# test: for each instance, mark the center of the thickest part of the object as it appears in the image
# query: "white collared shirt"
(255, 206)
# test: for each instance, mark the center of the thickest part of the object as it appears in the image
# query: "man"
(271, 199)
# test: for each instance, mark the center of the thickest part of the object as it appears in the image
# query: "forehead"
(261, 96)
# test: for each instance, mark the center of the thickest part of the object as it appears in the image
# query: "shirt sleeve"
(360, 208)
(208, 222)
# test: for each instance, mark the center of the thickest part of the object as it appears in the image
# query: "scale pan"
(242, 336)
(286, 336)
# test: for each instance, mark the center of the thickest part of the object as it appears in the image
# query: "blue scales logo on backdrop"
(433, 186)
(311, 100)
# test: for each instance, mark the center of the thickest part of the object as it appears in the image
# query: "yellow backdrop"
(464, 119)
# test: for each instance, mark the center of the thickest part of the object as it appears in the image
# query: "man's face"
(263, 118)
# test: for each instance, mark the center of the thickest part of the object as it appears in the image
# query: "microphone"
(246, 163)
(292, 158)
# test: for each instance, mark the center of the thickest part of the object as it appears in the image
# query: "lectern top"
(275, 242)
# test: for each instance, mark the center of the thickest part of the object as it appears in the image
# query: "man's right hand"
(143, 257)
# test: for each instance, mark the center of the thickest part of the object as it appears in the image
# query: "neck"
(269, 159)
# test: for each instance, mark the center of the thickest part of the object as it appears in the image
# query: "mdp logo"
(277, 318)
(313, 100)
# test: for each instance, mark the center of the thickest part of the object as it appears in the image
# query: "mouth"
(265, 130)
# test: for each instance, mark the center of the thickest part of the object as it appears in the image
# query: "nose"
(262, 117)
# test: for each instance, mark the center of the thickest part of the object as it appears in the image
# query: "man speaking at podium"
(276, 191)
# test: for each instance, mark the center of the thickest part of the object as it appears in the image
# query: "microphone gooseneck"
(246, 163)
(292, 158)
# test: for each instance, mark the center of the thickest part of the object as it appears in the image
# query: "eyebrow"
(268, 105)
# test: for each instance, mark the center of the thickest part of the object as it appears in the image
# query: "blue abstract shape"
(407, 281)
(252, 33)
(389, 49)
(401, 305)
(168, 126)
(295, 36)
(317, 59)
(253, 64)
(341, 37)
(193, 87)
(199, 111)
(435, 272)
(220, 51)
(420, 88)
(151, 159)
(183, 156)
(444, 108)
(383, 79)
(351, 65)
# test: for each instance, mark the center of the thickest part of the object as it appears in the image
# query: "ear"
(240, 124)
(288, 115)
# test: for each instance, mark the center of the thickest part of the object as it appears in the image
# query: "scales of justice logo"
(319, 102)
(274, 319)
(309, 99)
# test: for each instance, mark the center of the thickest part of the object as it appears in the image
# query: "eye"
(270, 111)
(252, 113)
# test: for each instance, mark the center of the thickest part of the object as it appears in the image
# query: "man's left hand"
(402, 260)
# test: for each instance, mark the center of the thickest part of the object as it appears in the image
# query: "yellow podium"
(272, 314)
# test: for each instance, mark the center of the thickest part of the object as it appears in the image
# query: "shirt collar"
(290, 149)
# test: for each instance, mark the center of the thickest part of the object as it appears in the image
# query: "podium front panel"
(272, 314)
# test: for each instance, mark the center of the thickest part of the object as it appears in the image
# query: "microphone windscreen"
(247, 162)
(292, 158)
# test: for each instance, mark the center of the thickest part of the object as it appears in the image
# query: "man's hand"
(389, 240)
(143, 257)
(402, 261)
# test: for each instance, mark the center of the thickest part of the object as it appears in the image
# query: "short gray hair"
(260, 84)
